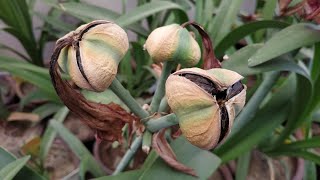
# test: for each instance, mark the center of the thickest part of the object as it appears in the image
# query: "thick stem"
(164, 107)
(128, 156)
(126, 97)
(252, 106)
(155, 125)
(146, 141)
(160, 91)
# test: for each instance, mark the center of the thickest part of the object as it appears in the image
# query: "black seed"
(202, 82)
(224, 122)
(235, 89)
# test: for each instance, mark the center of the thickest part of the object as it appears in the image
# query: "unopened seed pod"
(206, 103)
(92, 59)
(173, 43)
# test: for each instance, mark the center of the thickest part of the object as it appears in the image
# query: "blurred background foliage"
(278, 54)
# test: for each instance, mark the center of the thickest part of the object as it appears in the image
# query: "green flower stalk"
(206, 103)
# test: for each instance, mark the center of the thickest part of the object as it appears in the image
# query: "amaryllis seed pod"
(173, 43)
(206, 103)
(93, 57)
(91, 54)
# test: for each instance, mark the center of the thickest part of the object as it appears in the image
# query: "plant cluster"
(185, 99)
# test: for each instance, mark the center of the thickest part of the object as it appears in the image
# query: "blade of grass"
(78, 10)
(224, 19)
(243, 166)
(298, 153)
(241, 32)
(10, 170)
(50, 133)
(25, 173)
(78, 148)
(145, 10)
(288, 39)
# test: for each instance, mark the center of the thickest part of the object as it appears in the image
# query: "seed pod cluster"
(206, 103)
(92, 58)
(173, 43)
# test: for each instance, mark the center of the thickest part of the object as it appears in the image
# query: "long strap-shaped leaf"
(10, 170)
(24, 173)
(78, 148)
(145, 10)
(288, 39)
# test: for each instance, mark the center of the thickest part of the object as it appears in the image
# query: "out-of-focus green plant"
(257, 46)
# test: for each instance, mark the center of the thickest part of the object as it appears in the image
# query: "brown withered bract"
(108, 120)
(307, 9)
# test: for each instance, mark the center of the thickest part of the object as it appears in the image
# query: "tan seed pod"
(206, 103)
(173, 43)
(92, 59)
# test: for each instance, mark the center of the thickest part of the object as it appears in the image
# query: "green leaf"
(315, 63)
(245, 30)
(316, 116)
(50, 134)
(3, 46)
(313, 142)
(11, 170)
(56, 23)
(46, 110)
(311, 156)
(35, 95)
(298, 115)
(35, 75)
(288, 39)
(224, 19)
(104, 97)
(145, 10)
(24, 173)
(268, 10)
(243, 166)
(204, 163)
(253, 132)
(310, 171)
(78, 148)
(15, 14)
(80, 9)
(239, 62)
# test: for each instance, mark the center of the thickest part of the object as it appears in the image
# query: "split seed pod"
(91, 54)
(93, 57)
(173, 43)
(206, 103)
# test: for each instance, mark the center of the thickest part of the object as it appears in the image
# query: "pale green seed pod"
(173, 43)
(92, 60)
(206, 103)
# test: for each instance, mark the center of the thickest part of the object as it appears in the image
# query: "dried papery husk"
(173, 43)
(198, 112)
(93, 57)
(222, 78)
(107, 119)
(162, 147)
(205, 120)
(209, 59)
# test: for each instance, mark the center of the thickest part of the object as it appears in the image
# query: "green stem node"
(155, 125)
